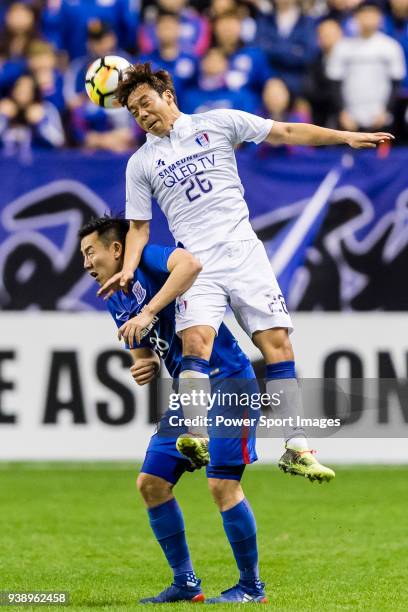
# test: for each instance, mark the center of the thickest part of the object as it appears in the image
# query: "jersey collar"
(182, 122)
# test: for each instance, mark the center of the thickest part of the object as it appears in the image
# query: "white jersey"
(366, 67)
(192, 173)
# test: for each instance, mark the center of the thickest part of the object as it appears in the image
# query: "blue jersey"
(227, 357)
(66, 25)
(199, 100)
(251, 63)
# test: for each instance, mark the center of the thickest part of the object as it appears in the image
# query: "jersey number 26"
(196, 185)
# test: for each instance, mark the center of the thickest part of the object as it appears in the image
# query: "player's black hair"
(140, 74)
(108, 229)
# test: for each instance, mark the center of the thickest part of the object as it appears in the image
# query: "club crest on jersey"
(181, 306)
(203, 140)
(139, 292)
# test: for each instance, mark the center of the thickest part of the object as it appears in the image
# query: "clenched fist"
(144, 371)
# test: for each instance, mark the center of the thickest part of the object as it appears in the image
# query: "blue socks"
(283, 369)
(195, 364)
(167, 523)
(240, 528)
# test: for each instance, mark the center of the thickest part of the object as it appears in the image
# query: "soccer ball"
(102, 79)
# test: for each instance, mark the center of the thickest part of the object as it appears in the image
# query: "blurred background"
(334, 221)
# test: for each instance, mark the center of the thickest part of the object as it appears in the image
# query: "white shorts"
(239, 274)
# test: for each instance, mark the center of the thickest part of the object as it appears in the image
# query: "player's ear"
(168, 96)
(117, 249)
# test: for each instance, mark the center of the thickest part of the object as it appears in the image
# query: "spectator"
(26, 120)
(319, 89)
(220, 7)
(248, 65)
(213, 91)
(245, 11)
(289, 39)
(19, 31)
(368, 69)
(182, 67)
(66, 22)
(279, 104)
(42, 62)
(101, 40)
(396, 25)
(195, 32)
(342, 12)
(93, 127)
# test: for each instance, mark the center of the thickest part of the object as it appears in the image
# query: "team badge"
(203, 140)
(139, 292)
(181, 306)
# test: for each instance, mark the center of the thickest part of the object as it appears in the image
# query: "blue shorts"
(172, 468)
(163, 459)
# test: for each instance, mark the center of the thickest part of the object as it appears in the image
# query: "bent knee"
(226, 493)
(216, 487)
(275, 344)
(198, 341)
(153, 489)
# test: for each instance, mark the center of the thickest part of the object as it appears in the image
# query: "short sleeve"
(155, 258)
(138, 192)
(240, 126)
(336, 64)
(119, 315)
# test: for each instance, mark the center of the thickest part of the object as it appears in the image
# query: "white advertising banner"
(66, 391)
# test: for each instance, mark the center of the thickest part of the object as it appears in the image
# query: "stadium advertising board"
(334, 226)
(66, 392)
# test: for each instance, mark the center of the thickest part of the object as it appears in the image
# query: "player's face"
(101, 261)
(153, 112)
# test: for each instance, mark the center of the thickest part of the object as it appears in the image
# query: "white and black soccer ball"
(102, 79)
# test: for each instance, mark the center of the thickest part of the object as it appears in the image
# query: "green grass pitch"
(82, 528)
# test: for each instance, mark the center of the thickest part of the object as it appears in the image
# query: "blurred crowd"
(336, 63)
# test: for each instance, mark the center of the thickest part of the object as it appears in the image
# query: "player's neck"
(175, 115)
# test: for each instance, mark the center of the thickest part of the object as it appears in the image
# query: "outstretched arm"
(313, 135)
